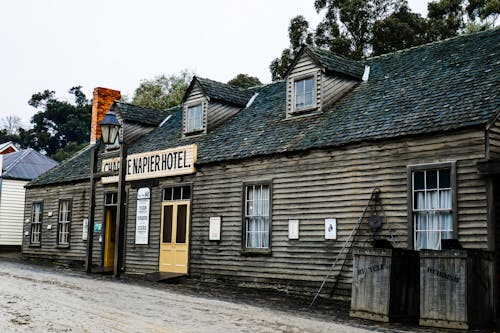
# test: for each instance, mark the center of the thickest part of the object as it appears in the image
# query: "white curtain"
(433, 221)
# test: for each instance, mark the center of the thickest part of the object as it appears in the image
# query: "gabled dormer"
(317, 78)
(209, 103)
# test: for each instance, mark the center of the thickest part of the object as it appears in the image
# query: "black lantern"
(110, 128)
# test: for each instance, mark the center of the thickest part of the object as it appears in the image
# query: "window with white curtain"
(64, 222)
(432, 207)
(36, 223)
(195, 118)
(304, 93)
(257, 216)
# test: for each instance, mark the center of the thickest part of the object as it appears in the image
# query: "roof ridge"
(139, 106)
(411, 48)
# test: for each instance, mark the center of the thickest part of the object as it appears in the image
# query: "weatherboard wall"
(317, 185)
(11, 206)
(48, 247)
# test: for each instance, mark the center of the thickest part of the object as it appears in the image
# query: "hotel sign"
(155, 164)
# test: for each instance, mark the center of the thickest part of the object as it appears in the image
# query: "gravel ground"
(40, 298)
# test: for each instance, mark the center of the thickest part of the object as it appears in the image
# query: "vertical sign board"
(85, 231)
(142, 216)
(214, 228)
(330, 228)
(293, 229)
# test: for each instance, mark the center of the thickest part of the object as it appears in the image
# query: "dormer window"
(304, 93)
(195, 118)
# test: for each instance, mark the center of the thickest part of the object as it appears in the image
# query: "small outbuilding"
(17, 168)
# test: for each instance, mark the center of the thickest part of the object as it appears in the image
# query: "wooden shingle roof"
(437, 87)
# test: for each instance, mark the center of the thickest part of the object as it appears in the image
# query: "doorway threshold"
(103, 270)
(167, 277)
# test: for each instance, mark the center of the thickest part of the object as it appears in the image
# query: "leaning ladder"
(373, 200)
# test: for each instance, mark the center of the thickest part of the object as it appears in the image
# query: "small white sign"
(49, 226)
(293, 229)
(142, 216)
(85, 230)
(214, 228)
(330, 228)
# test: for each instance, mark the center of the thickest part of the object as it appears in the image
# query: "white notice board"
(330, 228)
(214, 228)
(142, 216)
(293, 229)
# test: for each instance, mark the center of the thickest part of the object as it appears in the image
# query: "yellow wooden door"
(174, 237)
(109, 237)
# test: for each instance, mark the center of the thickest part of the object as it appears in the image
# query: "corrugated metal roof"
(26, 164)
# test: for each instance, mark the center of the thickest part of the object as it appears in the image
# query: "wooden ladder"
(374, 200)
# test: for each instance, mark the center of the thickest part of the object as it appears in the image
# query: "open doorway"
(109, 231)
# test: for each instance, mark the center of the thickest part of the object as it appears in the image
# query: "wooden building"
(17, 168)
(261, 187)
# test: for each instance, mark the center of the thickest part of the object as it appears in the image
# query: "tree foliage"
(361, 28)
(245, 81)
(163, 91)
(57, 123)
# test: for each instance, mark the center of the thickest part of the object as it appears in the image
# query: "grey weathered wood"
(456, 289)
(219, 112)
(310, 187)
(385, 284)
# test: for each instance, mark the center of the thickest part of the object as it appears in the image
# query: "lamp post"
(110, 128)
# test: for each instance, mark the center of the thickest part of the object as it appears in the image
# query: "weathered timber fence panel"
(385, 284)
(456, 288)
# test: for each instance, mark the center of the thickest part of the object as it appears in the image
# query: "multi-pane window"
(304, 93)
(256, 219)
(64, 222)
(111, 199)
(177, 193)
(432, 207)
(36, 223)
(194, 118)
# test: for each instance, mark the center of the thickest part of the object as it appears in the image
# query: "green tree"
(163, 91)
(57, 123)
(401, 30)
(361, 28)
(298, 33)
(245, 81)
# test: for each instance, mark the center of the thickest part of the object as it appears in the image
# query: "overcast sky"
(58, 44)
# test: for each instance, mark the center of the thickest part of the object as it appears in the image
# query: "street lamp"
(110, 129)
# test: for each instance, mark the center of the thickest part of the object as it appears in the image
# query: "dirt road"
(41, 299)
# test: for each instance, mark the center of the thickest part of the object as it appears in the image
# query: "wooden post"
(120, 217)
(90, 230)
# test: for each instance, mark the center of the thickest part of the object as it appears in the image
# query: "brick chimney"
(103, 99)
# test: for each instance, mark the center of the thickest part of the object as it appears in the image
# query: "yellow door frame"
(174, 257)
(109, 245)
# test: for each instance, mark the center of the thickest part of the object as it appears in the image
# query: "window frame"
(411, 169)
(202, 125)
(39, 243)
(61, 223)
(172, 187)
(252, 250)
(311, 76)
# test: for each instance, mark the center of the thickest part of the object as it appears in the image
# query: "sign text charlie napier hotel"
(155, 164)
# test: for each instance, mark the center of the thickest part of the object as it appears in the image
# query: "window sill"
(256, 252)
(304, 110)
(195, 132)
(35, 245)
